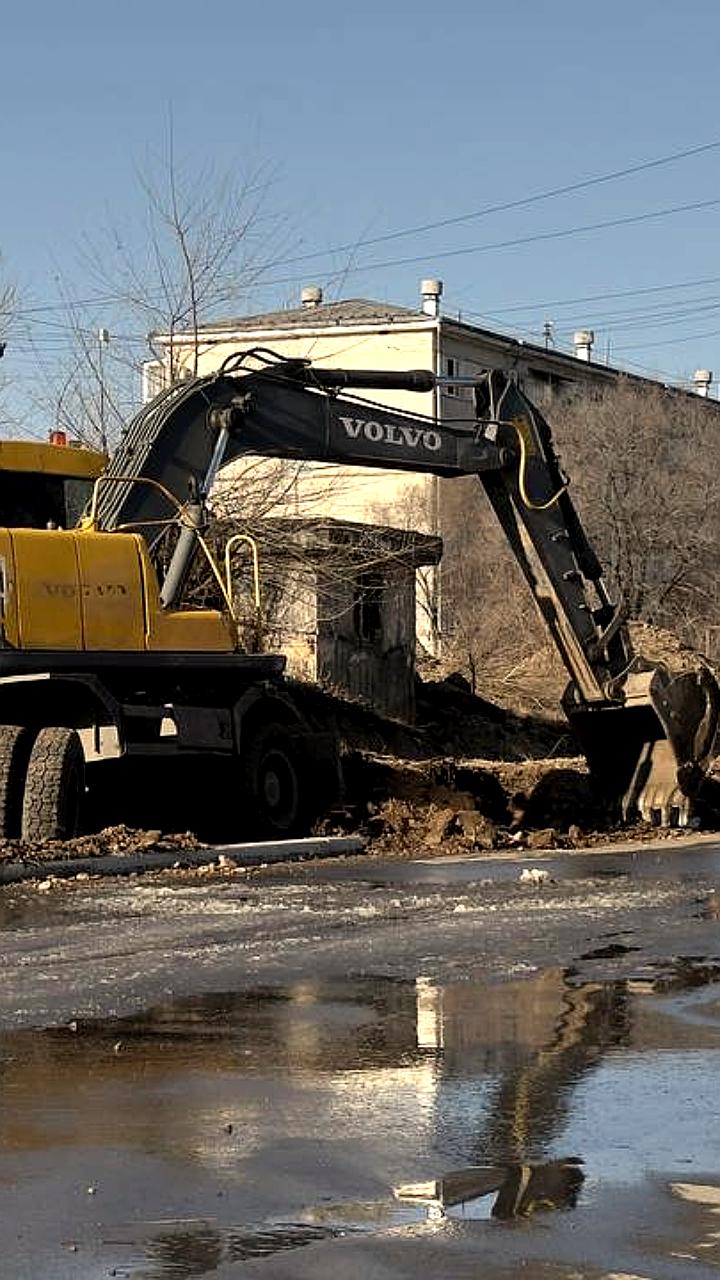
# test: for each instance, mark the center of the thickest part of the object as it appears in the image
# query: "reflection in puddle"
(202, 1249)
(289, 1118)
(521, 1190)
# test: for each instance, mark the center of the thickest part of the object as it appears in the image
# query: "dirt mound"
(118, 841)
(410, 807)
(450, 721)
(460, 723)
(659, 645)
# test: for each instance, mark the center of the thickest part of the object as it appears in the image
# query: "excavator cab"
(45, 485)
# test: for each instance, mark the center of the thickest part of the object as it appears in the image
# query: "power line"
(537, 238)
(668, 342)
(634, 317)
(520, 203)
(593, 297)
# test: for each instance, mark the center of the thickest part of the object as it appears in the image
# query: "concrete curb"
(244, 855)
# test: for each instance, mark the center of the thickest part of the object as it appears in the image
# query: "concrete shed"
(339, 600)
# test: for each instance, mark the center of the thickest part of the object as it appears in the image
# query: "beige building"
(364, 334)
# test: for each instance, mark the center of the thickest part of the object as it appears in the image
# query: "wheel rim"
(279, 789)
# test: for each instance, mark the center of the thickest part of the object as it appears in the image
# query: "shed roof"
(290, 537)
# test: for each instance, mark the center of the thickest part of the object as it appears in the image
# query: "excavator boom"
(647, 733)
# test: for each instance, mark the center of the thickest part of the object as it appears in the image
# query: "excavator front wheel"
(15, 744)
(54, 786)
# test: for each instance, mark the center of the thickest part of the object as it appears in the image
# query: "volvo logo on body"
(402, 434)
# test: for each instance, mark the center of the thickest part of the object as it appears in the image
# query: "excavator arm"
(647, 734)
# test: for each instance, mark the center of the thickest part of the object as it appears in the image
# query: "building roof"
(351, 311)
(380, 315)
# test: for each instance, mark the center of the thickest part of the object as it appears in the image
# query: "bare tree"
(200, 244)
(642, 461)
(204, 241)
(8, 320)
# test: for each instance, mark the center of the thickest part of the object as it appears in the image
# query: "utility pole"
(103, 341)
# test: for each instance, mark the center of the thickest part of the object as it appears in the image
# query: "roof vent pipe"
(431, 291)
(311, 296)
(702, 379)
(583, 342)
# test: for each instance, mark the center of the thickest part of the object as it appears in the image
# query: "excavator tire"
(15, 744)
(273, 783)
(54, 786)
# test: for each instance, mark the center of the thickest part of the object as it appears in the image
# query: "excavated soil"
(468, 775)
(119, 841)
(499, 779)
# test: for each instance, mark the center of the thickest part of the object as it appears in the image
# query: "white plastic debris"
(534, 875)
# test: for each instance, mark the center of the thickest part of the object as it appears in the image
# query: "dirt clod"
(546, 838)
(439, 826)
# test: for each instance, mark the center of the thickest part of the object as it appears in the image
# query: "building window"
(367, 608)
(452, 370)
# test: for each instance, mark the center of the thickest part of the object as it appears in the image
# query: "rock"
(394, 816)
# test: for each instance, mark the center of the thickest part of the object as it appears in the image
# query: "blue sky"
(376, 118)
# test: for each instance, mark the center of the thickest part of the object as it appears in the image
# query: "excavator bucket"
(648, 755)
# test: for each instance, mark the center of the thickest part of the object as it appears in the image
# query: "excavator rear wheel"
(54, 786)
(273, 783)
(15, 744)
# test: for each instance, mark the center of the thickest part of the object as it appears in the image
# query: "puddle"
(199, 1250)
(329, 1128)
(682, 863)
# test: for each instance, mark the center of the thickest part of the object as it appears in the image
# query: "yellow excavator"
(98, 656)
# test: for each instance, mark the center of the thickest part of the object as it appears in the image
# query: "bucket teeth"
(655, 790)
(650, 753)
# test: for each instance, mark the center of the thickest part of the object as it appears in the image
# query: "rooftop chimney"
(311, 296)
(702, 379)
(431, 291)
(583, 342)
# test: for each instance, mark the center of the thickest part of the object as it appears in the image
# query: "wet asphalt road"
(365, 1069)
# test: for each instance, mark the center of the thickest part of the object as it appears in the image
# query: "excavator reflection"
(529, 1103)
(522, 1189)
